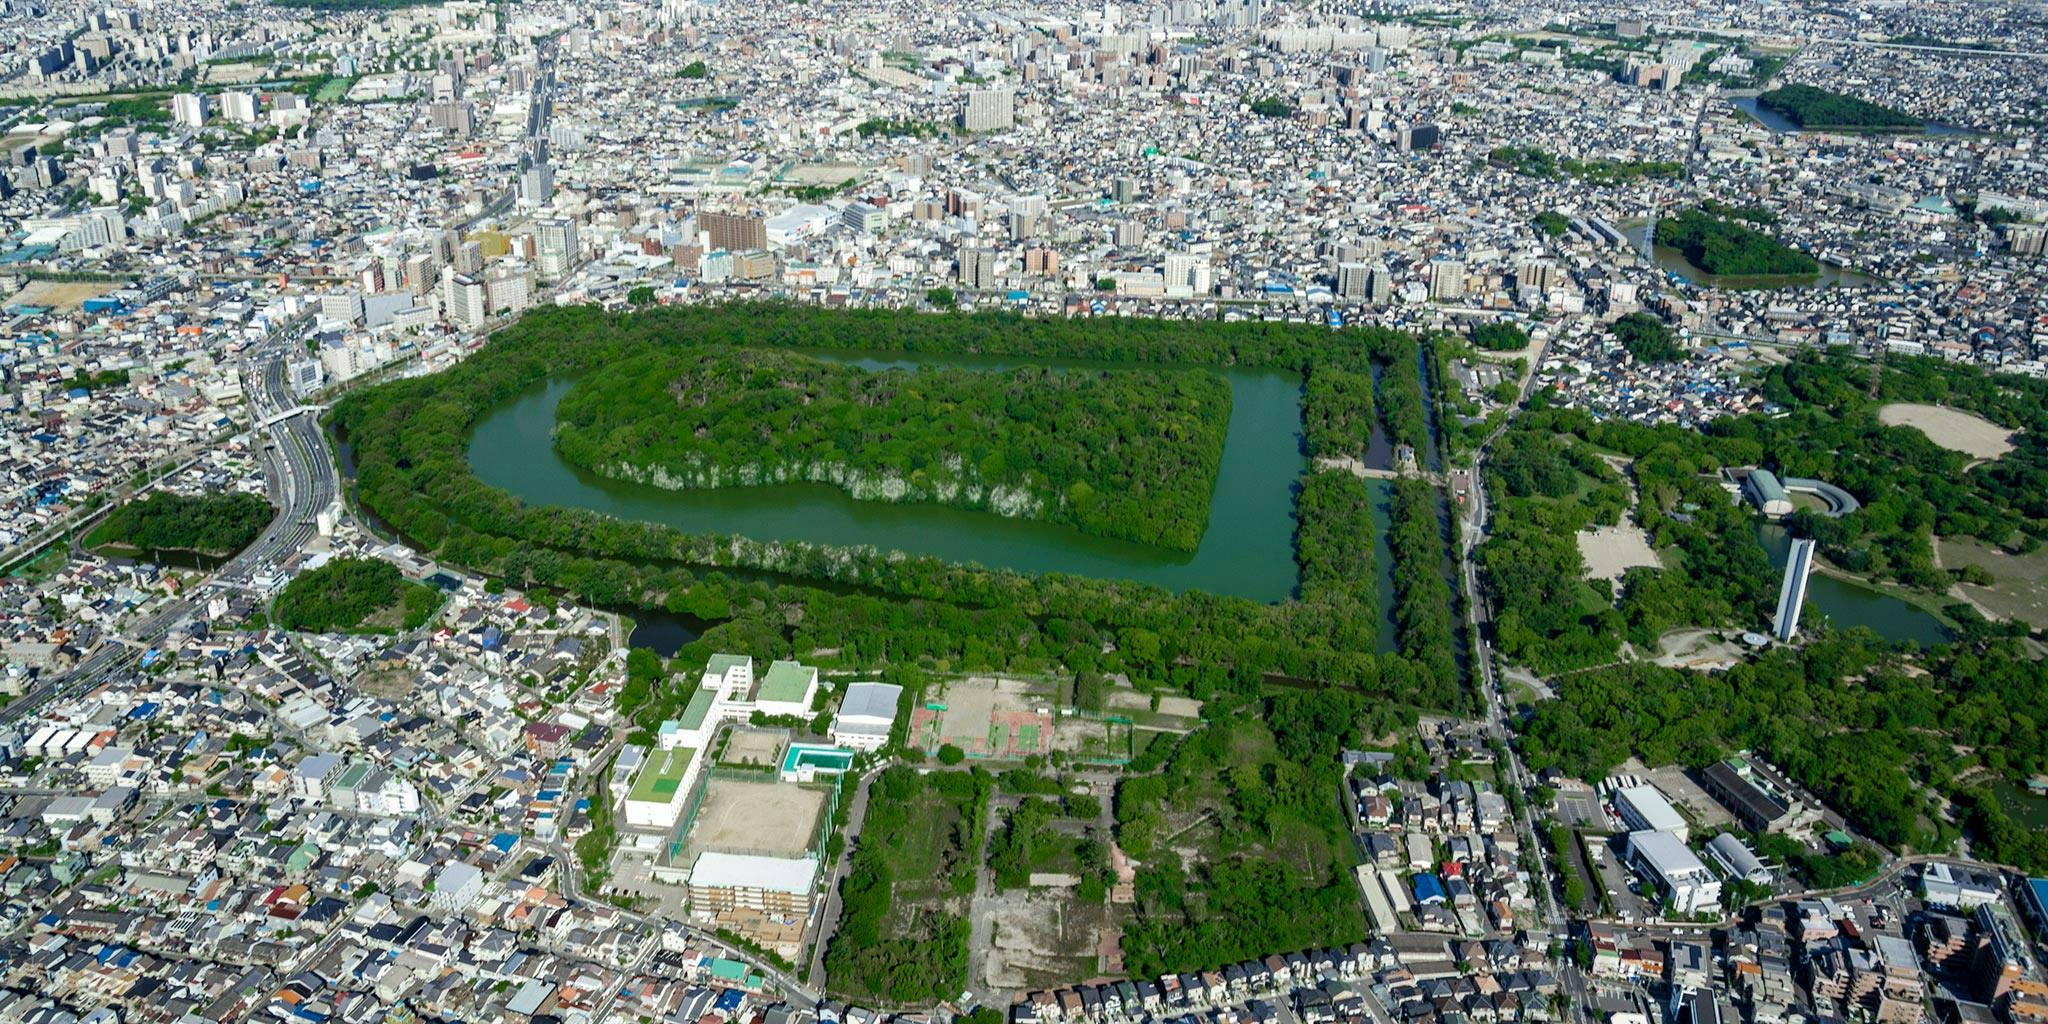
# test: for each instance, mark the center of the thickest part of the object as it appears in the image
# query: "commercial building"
(1645, 809)
(866, 715)
(1952, 888)
(1665, 859)
(1736, 860)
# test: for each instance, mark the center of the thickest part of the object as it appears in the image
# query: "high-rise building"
(1186, 274)
(977, 268)
(989, 110)
(733, 232)
(190, 109)
(457, 116)
(422, 272)
(557, 246)
(1421, 136)
(509, 289)
(463, 299)
(1354, 280)
(240, 107)
(1446, 279)
(345, 306)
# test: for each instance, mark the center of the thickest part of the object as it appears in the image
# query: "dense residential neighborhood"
(1413, 513)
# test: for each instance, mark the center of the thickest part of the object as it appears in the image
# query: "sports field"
(772, 819)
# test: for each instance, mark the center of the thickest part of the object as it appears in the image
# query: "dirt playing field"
(773, 819)
(1610, 551)
(65, 296)
(1954, 429)
(749, 746)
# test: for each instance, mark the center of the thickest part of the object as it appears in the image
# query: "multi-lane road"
(301, 479)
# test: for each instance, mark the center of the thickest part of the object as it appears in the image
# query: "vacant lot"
(1954, 429)
(987, 717)
(2019, 583)
(773, 819)
(66, 296)
(1042, 939)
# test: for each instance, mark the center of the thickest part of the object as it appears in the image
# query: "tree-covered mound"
(1819, 109)
(884, 608)
(213, 524)
(1124, 454)
(355, 594)
(1725, 248)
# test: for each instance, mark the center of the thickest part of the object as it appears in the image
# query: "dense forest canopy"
(211, 524)
(1115, 453)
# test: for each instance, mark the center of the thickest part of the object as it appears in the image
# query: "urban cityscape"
(1108, 512)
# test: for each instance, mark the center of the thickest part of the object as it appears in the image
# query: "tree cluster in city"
(1118, 454)
(209, 524)
(1646, 337)
(1727, 248)
(354, 594)
(1874, 733)
(1269, 829)
(1813, 107)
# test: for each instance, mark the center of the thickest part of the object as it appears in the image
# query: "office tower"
(989, 110)
(558, 246)
(345, 306)
(189, 109)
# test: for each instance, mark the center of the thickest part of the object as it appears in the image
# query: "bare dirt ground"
(1043, 939)
(66, 296)
(1701, 808)
(1610, 551)
(1954, 429)
(1698, 649)
(772, 819)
